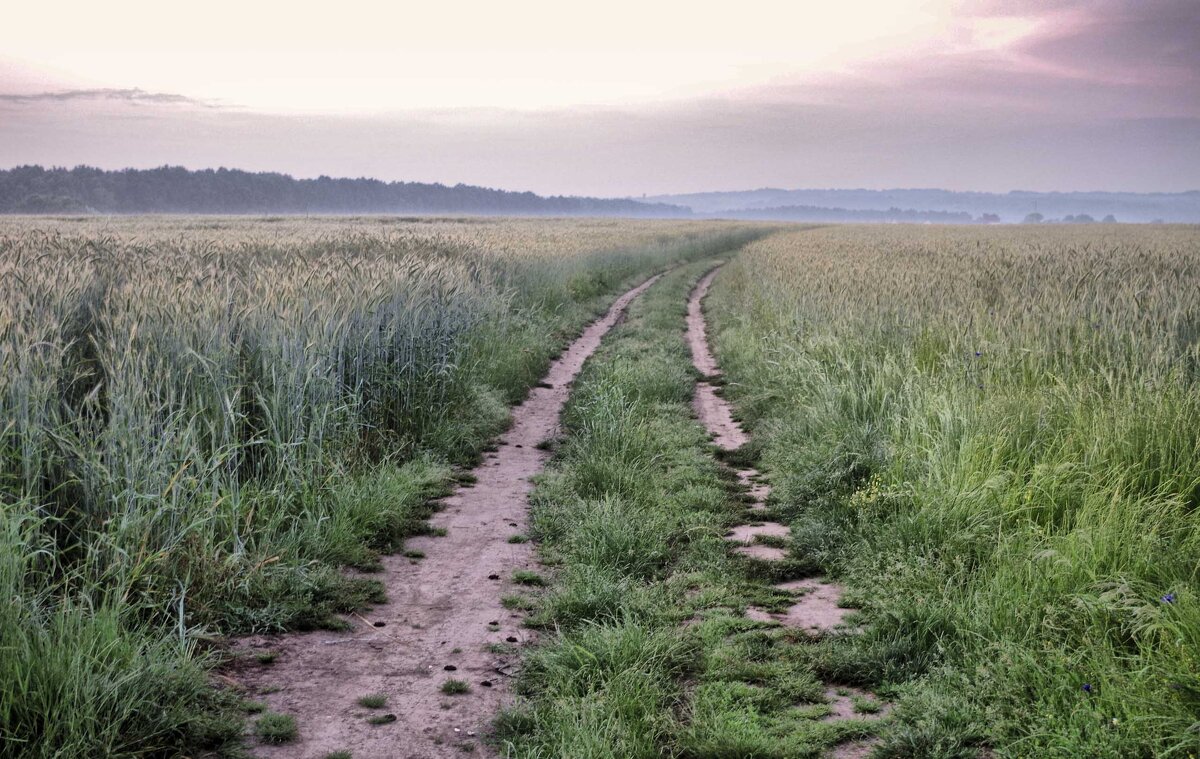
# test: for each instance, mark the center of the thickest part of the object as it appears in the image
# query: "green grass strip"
(649, 654)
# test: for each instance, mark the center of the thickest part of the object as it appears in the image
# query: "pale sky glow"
(620, 98)
(366, 57)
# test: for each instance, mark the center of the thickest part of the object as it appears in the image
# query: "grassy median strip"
(646, 652)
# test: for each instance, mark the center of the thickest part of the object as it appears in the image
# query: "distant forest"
(173, 189)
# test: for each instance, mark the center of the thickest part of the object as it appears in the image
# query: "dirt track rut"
(815, 609)
(442, 613)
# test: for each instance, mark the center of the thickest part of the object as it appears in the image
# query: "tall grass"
(994, 436)
(202, 420)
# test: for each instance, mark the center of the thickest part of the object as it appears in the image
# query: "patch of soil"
(714, 412)
(442, 612)
(761, 552)
(816, 609)
(746, 533)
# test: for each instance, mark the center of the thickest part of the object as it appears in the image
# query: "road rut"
(442, 615)
(815, 609)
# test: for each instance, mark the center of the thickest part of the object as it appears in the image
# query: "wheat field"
(994, 436)
(989, 436)
(202, 419)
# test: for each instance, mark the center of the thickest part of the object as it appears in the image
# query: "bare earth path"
(443, 612)
(815, 610)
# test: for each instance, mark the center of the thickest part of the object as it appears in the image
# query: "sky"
(622, 98)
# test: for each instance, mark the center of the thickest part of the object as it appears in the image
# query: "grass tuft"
(273, 727)
(455, 687)
(373, 701)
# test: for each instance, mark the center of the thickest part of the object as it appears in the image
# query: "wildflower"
(1115, 721)
(978, 354)
(1087, 687)
(1168, 598)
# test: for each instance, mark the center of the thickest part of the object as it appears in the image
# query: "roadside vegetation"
(203, 420)
(992, 436)
(646, 650)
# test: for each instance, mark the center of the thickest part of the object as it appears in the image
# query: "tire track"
(443, 620)
(815, 607)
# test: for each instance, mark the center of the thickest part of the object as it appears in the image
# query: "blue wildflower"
(1169, 598)
(978, 354)
(1087, 687)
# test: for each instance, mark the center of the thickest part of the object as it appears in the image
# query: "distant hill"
(1010, 207)
(821, 213)
(173, 189)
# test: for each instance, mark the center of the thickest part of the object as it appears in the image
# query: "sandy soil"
(747, 533)
(761, 552)
(443, 612)
(714, 412)
(816, 609)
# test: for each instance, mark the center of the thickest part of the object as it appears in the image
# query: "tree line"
(174, 189)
